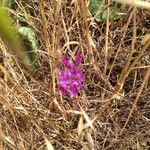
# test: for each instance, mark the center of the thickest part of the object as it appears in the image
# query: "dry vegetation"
(114, 110)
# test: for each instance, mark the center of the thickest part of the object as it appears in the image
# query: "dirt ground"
(112, 112)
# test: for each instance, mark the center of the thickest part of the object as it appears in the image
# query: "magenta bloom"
(72, 77)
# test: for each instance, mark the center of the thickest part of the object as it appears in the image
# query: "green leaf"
(10, 3)
(97, 9)
(10, 35)
(29, 40)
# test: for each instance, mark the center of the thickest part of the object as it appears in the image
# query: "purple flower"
(66, 62)
(79, 58)
(72, 77)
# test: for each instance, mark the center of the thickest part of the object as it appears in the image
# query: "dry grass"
(114, 108)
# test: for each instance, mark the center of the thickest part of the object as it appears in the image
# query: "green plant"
(21, 42)
(97, 8)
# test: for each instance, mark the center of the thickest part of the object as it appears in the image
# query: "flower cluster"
(72, 77)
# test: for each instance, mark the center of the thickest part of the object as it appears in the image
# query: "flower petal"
(73, 90)
(66, 62)
(78, 59)
(64, 75)
(63, 88)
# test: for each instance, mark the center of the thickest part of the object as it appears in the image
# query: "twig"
(146, 77)
(136, 3)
